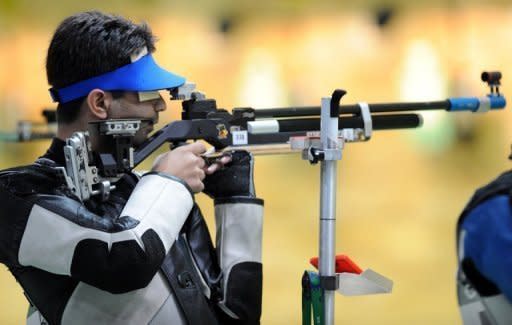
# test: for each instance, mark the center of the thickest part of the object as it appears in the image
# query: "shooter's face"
(130, 106)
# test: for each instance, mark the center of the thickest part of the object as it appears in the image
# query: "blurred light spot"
(423, 80)
(261, 84)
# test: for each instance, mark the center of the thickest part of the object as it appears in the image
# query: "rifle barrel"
(351, 109)
(472, 104)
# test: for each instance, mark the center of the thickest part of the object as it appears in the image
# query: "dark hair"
(89, 44)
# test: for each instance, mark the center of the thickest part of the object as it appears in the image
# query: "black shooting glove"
(235, 179)
(239, 225)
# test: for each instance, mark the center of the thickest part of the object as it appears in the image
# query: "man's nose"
(160, 105)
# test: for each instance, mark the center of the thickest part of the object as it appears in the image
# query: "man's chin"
(139, 138)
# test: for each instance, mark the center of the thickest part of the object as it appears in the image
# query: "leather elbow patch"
(244, 290)
(125, 267)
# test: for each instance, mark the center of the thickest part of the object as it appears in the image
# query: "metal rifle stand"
(328, 151)
(329, 154)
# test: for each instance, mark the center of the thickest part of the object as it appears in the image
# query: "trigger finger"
(213, 168)
(225, 160)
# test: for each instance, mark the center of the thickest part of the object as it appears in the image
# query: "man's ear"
(98, 102)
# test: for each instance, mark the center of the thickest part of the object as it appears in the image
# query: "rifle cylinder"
(380, 122)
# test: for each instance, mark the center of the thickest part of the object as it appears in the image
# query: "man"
(145, 255)
(484, 236)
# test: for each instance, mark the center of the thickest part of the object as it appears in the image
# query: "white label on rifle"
(313, 134)
(316, 134)
(240, 138)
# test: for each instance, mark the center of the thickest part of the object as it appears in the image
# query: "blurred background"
(399, 195)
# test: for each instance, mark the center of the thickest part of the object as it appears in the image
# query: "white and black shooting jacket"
(145, 256)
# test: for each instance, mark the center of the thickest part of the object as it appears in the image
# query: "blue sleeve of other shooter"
(488, 241)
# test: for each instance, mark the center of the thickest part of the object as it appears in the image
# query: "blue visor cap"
(141, 75)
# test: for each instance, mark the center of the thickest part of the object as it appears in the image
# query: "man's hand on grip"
(184, 162)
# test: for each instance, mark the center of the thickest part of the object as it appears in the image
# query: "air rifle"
(271, 131)
(319, 132)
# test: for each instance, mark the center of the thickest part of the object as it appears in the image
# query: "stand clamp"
(329, 282)
(364, 134)
(314, 155)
